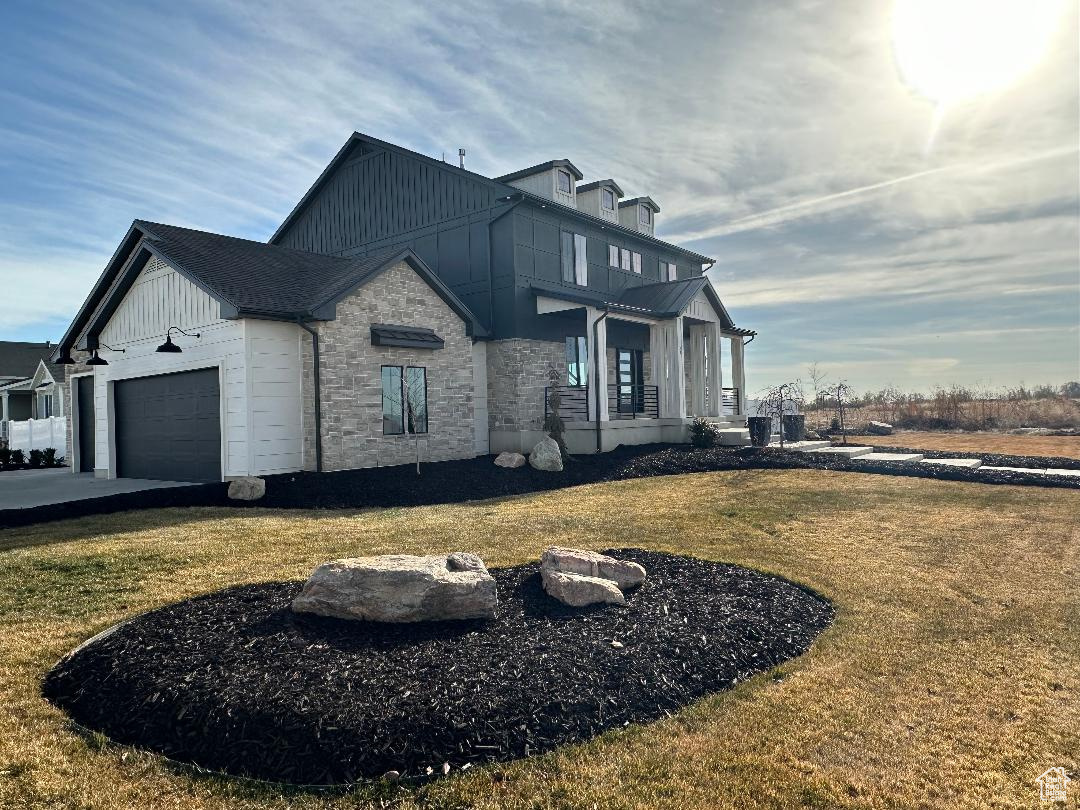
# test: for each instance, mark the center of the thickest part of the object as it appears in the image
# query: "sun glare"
(954, 50)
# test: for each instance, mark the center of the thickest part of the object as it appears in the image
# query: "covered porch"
(670, 355)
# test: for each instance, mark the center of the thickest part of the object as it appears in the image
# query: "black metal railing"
(729, 401)
(624, 402)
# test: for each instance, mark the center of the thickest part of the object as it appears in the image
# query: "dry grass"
(1061, 446)
(949, 679)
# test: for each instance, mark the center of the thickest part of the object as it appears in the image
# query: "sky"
(857, 221)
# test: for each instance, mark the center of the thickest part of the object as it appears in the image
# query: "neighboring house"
(31, 388)
(404, 302)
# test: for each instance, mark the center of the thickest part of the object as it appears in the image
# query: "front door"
(85, 404)
(630, 380)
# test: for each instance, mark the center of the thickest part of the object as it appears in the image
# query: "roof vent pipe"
(461, 158)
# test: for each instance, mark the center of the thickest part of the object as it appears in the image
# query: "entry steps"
(861, 453)
(734, 437)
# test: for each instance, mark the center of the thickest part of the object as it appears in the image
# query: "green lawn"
(949, 679)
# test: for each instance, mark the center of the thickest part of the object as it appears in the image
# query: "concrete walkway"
(21, 489)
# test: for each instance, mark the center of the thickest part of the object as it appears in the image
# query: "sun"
(956, 50)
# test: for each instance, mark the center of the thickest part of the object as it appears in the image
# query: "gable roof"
(249, 279)
(649, 201)
(20, 359)
(501, 188)
(541, 167)
(664, 299)
(609, 183)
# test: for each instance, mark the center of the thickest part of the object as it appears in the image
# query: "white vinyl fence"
(37, 434)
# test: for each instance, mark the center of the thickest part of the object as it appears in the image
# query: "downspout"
(318, 396)
(596, 375)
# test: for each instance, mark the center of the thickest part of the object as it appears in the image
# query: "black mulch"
(235, 682)
(995, 459)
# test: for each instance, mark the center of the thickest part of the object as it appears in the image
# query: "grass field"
(949, 679)
(1061, 446)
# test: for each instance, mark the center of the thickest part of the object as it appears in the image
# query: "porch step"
(847, 451)
(734, 437)
(1034, 470)
(891, 457)
(801, 447)
(970, 463)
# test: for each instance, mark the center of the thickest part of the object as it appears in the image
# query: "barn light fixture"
(66, 359)
(168, 347)
(97, 361)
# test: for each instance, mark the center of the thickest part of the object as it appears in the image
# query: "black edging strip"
(479, 479)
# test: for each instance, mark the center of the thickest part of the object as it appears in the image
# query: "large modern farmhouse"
(405, 305)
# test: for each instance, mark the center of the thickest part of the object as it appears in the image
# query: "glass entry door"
(630, 380)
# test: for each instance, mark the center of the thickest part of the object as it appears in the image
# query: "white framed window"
(636, 262)
(607, 199)
(612, 256)
(565, 183)
(644, 214)
(624, 256)
(668, 271)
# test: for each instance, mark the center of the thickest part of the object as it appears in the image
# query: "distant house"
(31, 385)
(403, 298)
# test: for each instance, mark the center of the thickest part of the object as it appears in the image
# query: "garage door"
(168, 427)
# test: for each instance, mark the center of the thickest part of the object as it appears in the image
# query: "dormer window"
(607, 199)
(565, 183)
(644, 214)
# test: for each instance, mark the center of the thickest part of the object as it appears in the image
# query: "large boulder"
(879, 429)
(510, 460)
(546, 455)
(400, 588)
(576, 590)
(247, 488)
(623, 573)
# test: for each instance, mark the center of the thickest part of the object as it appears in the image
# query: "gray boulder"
(400, 588)
(247, 488)
(579, 591)
(879, 429)
(546, 455)
(623, 573)
(510, 460)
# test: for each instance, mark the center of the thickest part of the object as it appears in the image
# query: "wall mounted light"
(168, 347)
(97, 361)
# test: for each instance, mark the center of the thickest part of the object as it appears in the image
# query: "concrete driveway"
(21, 489)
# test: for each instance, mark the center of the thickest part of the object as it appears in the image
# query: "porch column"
(738, 372)
(597, 359)
(697, 369)
(3, 407)
(714, 374)
(668, 367)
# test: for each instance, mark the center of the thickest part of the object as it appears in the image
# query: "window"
(46, 406)
(625, 254)
(668, 271)
(577, 362)
(607, 199)
(404, 400)
(636, 257)
(630, 379)
(575, 265)
(644, 214)
(612, 256)
(564, 182)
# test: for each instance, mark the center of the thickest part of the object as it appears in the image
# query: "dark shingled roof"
(541, 167)
(597, 183)
(20, 360)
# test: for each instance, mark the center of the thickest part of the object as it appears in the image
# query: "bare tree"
(818, 379)
(776, 399)
(842, 393)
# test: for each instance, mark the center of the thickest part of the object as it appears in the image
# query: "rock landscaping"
(400, 588)
(247, 488)
(510, 460)
(546, 456)
(237, 681)
(879, 429)
(578, 577)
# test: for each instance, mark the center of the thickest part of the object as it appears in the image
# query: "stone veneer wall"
(351, 377)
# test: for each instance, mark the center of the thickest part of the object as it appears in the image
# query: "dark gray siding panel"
(377, 195)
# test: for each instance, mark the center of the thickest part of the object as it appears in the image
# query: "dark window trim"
(382, 386)
(581, 360)
(644, 215)
(405, 385)
(404, 393)
(560, 174)
(605, 193)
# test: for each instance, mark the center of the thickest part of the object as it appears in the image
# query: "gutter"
(318, 396)
(596, 377)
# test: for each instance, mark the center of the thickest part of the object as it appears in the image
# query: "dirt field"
(1063, 446)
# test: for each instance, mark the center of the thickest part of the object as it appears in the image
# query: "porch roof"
(665, 299)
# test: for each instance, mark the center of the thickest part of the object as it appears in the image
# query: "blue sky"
(777, 137)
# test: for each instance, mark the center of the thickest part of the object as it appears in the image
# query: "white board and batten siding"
(258, 361)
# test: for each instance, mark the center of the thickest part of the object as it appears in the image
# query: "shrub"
(48, 457)
(5, 456)
(18, 458)
(703, 433)
(35, 459)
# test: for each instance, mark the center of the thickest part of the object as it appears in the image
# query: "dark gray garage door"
(168, 427)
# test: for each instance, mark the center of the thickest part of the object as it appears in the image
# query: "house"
(31, 388)
(405, 306)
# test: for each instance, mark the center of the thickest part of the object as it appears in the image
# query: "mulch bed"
(235, 682)
(479, 479)
(994, 459)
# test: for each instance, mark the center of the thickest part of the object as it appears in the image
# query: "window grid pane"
(625, 254)
(637, 263)
(612, 256)
(581, 265)
(567, 252)
(416, 390)
(391, 401)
